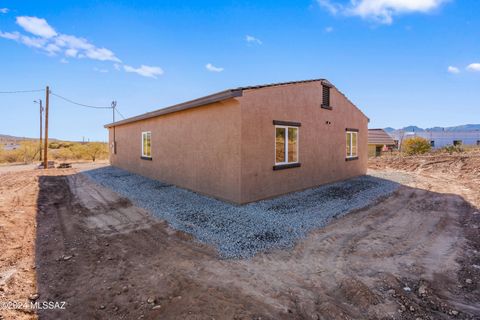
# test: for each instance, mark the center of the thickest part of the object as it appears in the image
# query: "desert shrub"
(416, 145)
(451, 149)
(96, 150)
(62, 154)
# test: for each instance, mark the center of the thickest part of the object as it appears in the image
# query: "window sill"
(286, 166)
(146, 158)
(351, 158)
(326, 107)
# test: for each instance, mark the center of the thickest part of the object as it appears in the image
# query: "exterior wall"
(197, 149)
(442, 138)
(372, 150)
(322, 146)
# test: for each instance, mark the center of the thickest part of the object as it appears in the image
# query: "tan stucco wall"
(226, 149)
(322, 147)
(197, 149)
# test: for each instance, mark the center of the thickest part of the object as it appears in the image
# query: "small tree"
(96, 150)
(416, 145)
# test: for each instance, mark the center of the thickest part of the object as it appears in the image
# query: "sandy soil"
(415, 255)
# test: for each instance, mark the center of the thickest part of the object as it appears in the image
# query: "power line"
(121, 115)
(79, 104)
(22, 91)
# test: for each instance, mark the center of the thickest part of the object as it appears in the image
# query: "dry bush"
(28, 151)
(416, 145)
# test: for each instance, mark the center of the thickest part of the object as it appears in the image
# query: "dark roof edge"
(216, 97)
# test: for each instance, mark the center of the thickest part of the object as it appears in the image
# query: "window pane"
(279, 145)
(144, 143)
(292, 144)
(354, 144)
(149, 146)
(349, 143)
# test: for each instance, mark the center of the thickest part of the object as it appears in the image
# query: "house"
(378, 141)
(249, 143)
(440, 139)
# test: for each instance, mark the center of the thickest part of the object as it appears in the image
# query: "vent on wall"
(326, 97)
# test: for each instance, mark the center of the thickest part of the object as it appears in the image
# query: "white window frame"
(351, 155)
(286, 144)
(143, 151)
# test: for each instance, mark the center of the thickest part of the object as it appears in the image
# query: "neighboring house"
(248, 143)
(440, 139)
(379, 141)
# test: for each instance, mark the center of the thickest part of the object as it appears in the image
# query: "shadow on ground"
(109, 259)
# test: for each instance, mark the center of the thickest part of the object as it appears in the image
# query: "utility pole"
(45, 153)
(41, 125)
(114, 104)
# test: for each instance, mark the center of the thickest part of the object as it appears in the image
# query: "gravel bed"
(242, 231)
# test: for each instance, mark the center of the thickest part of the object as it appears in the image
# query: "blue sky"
(401, 61)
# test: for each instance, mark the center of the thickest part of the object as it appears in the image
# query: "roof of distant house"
(379, 136)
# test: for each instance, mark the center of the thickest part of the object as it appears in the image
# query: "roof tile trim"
(216, 97)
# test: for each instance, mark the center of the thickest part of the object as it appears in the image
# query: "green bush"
(451, 149)
(416, 145)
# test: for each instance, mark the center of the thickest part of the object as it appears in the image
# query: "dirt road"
(414, 255)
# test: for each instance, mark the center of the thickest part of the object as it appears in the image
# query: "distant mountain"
(465, 127)
(413, 129)
(6, 137)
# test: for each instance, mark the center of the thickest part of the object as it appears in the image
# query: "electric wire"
(77, 103)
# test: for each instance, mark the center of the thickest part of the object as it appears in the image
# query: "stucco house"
(249, 143)
(379, 141)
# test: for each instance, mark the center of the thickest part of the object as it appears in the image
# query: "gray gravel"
(242, 231)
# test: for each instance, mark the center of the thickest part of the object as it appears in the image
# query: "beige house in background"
(249, 143)
(379, 141)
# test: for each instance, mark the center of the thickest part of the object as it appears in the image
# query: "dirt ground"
(414, 255)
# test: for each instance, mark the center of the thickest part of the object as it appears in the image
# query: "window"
(457, 142)
(147, 145)
(286, 145)
(478, 142)
(326, 96)
(432, 143)
(352, 144)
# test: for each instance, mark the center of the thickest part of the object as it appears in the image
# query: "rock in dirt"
(151, 300)
(422, 290)
(469, 281)
(33, 297)
(66, 258)
(407, 289)
(156, 307)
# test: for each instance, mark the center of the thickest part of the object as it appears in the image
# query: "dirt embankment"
(415, 255)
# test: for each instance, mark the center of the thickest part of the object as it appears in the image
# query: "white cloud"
(212, 68)
(474, 67)
(453, 70)
(331, 7)
(328, 29)
(36, 26)
(4, 10)
(10, 35)
(46, 39)
(71, 52)
(63, 60)
(146, 71)
(252, 39)
(381, 11)
(100, 70)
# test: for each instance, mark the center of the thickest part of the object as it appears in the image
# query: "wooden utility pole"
(41, 111)
(45, 151)
(114, 104)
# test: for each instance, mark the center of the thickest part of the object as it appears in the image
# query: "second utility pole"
(45, 151)
(41, 111)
